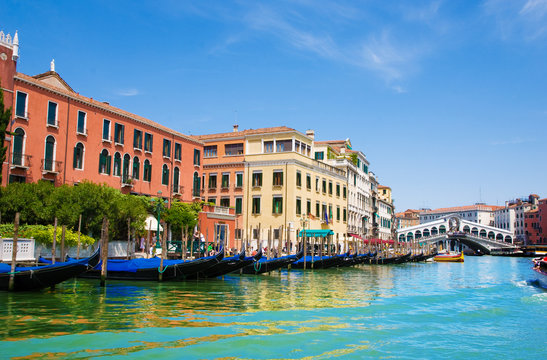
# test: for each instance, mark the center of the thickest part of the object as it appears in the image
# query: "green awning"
(316, 233)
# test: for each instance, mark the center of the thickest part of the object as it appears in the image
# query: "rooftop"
(242, 133)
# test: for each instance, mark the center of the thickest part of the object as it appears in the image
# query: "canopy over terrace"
(316, 233)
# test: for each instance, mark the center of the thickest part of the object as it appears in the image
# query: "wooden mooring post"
(79, 232)
(163, 251)
(11, 283)
(63, 234)
(104, 251)
(53, 252)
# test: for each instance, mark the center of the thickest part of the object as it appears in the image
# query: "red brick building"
(64, 137)
(535, 224)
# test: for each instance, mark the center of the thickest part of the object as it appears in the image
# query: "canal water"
(484, 308)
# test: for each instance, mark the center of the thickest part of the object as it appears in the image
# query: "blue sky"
(447, 99)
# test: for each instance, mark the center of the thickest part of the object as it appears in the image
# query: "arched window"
(466, 229)
(483, 233)
(491, 235)
(176, 175)
(49, 154)
(165, 175)
(196, 190)
(78, 160)
(426, 233)
(18, 147)
(402, 238)
(508, 239)
(117, 164)
(125, 168)
(409, 237)
(475, 231)
(434, 231)
(442, 229)
(104, 162)
(147, 171)
(499, 237)
(136, 168)
(418, 234)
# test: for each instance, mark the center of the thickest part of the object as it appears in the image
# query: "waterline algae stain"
(483, 308)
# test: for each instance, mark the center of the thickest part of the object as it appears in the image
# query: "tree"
(182, 216)
(5, 117)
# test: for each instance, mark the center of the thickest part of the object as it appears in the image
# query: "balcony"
(127, 181)
(50, 166)
(20, 161)
(81, 132)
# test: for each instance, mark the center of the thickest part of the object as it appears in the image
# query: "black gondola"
(315, 262)
(227, 265)
(40, 277)
(264, 265)
(149, 269)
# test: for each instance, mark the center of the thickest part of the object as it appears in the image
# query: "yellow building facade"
(287, 190)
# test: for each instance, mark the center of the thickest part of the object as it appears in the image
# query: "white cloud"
(128, 92)
(521, 19)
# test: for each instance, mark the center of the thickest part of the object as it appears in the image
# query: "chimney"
(236, 127)
(310, 134)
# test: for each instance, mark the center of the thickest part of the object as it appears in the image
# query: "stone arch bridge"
(453, 228)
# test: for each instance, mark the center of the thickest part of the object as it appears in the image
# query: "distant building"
(512, 216)
(407, 218)
(479, 213)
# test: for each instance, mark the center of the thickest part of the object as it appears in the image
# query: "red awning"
(356, 236)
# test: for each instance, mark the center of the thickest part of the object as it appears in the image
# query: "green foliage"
(182, 216)
(44, 234)
(5, 117)
(40, 203)
(354, 158)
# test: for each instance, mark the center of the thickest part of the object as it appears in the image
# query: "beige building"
(283, 188)
(288, 189)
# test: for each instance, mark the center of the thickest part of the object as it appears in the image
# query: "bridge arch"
(418, 234)
(402, 238)
(483, 233)
(434, 231)
(508, 239)
(442, 229)
(426, 233)
(499, 237)
(491, 235)
(466, 229)
(409, 237)
(475, 231)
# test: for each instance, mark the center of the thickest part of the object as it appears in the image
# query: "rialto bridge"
(451, 228)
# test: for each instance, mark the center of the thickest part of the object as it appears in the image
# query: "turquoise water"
(483, 308)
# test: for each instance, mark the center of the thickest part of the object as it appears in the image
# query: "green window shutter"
(74, 159)
(101, 160)
(108, 163)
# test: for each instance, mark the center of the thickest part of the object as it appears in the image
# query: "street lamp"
(159, 209)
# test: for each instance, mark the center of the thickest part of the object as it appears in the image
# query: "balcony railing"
(51, 166)
(127, 180)
(20, 161)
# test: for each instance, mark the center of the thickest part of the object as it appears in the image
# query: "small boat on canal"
(540, 269)
(40, 277)
(449, 257)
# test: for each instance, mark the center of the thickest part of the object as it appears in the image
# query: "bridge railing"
(486, 239)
